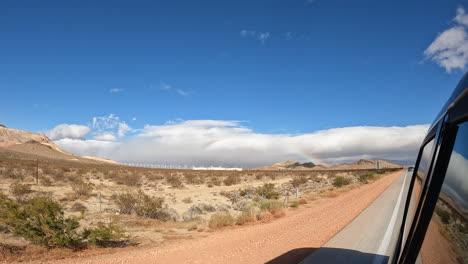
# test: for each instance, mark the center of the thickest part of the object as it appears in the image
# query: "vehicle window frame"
(401, 244)
(446, 135)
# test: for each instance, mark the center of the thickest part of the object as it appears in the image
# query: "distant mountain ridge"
(358, 165)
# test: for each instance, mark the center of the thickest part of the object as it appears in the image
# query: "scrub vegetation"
(77, 206)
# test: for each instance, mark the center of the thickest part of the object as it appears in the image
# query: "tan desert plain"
(62, 208)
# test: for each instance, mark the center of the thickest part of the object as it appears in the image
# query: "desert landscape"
(115, 207)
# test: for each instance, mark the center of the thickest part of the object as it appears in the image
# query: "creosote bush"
(40, 221)
(268, 191)
(260, 211)
(105, 235)
(221, 219)
(367, 176)
(214, 181)
(143, 205)
(231, 179)
(20, 191)
(174, 180)
(444, 215)
(298, 181)
(46, 181)
(275, 207)
(341, 181)
(130, 178)
(294, 204)
(82, 188)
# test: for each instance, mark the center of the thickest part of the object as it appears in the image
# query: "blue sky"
(282, 67)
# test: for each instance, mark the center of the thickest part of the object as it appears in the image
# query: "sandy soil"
(285, 240)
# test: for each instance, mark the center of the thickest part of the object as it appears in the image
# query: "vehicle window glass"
(446, 239)
(421, 174)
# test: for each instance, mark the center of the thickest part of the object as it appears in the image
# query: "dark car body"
(435, 227)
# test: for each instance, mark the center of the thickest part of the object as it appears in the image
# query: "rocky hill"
(289, 165)
(362, 164)
(15, 142)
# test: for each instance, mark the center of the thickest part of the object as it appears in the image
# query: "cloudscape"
(233, 143)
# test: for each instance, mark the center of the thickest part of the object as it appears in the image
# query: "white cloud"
(182, 92)
(169, 88)
(261, 36)
(110, 123)
(461, 17)
(165, 87)
(247, 33)
(450, 49)
(101, 123)
(105, 136)
(68, 131)
(229, 143)
(123, 129)
(116, 90)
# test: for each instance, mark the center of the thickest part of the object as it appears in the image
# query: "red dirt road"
(299, 233)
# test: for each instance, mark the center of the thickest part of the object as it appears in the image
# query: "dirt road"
(285, 240)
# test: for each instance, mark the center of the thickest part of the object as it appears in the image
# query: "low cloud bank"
(229, 143)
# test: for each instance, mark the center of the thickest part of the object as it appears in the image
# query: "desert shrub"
(46, 181)
(341, 181)
(151, 207)
(40, 221)
(248, 191)
(268, 191)
(272, 208)
(214, 181)
(294, 204)
(82, 188)
(78, 207)
(298, 181)
(144, 205)
(20, 192)
(259, 176)
(192, 178)
(444, 215)
(187, 200)
(367, 176)
(105, 235)
(271, 205)
(246, 216)
(221, 219)
(231, 179)
(125, 202)
(225, 194)
(174, 181)
(272, 175)
(12, 174)
(130, 179)
(154, 177)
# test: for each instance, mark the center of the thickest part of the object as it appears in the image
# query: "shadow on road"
(326, 255)
(292, 256)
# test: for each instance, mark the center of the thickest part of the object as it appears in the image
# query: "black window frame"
(444, 131)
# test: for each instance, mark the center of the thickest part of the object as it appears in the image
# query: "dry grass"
(221, 219)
